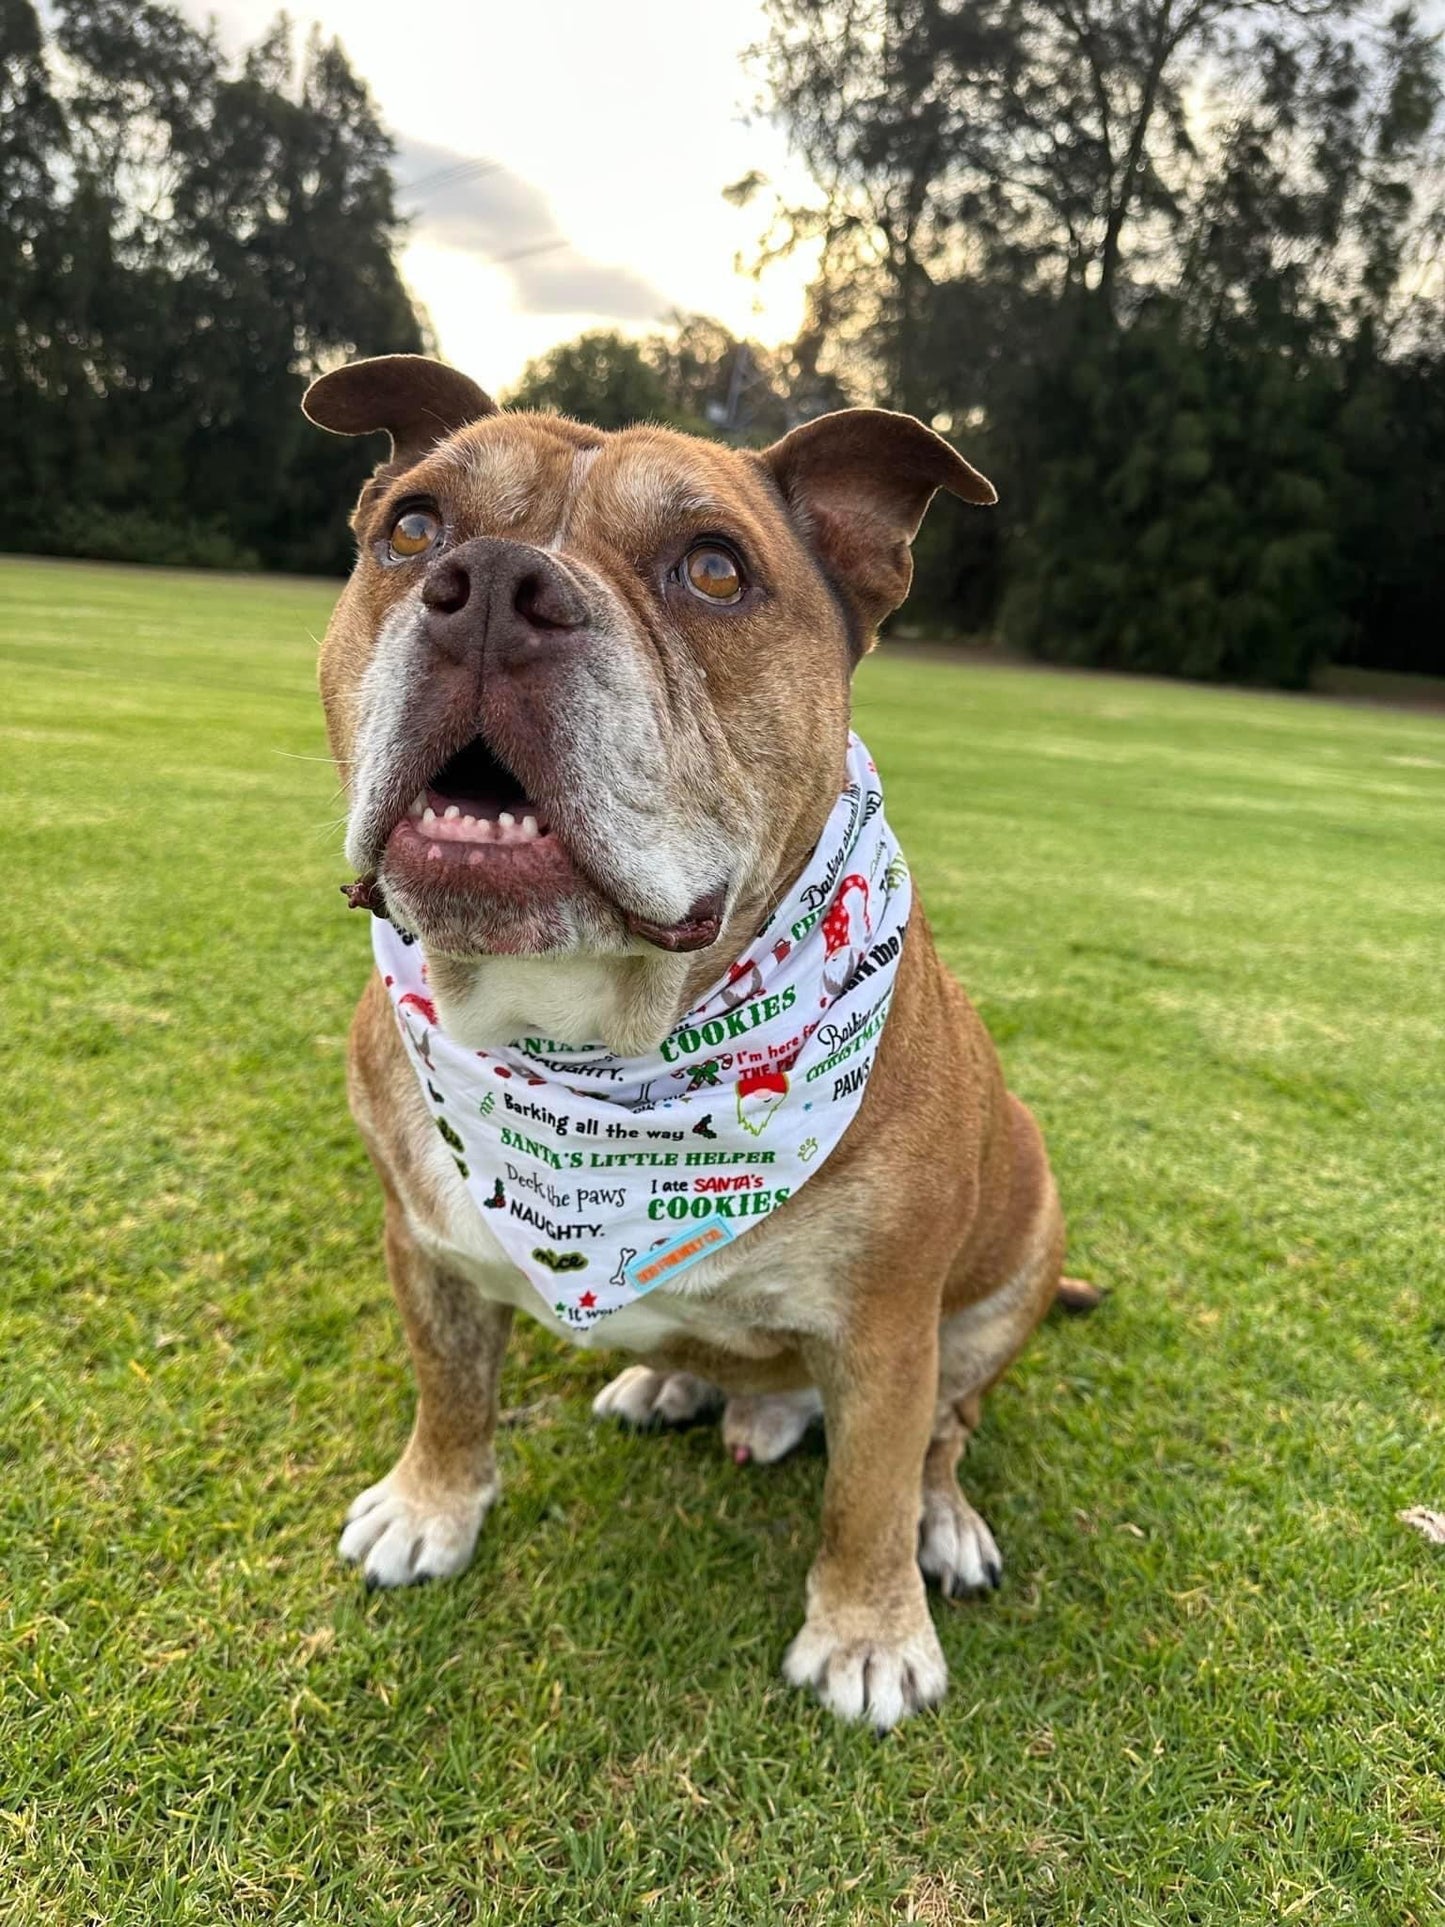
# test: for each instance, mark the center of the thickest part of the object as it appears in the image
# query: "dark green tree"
(213, 236)
(1156, 265)
(601, 377)
(33, 150)
(1190, 529)
(695, 375)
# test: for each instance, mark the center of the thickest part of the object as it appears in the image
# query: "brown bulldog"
(589, 694)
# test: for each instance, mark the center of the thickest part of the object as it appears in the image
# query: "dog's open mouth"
(474, 814)
(474, 801)
(473, 828)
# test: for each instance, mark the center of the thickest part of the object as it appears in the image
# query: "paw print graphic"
(808, 1149)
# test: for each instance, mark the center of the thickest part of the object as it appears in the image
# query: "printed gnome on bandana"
(843, 949)
(760, 1092)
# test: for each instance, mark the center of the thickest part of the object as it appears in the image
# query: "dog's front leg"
(421, 1521)
(867, 1647)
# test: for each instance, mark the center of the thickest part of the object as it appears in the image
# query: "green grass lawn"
(1207, 929)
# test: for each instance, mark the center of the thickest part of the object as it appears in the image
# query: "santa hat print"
(745, 980)
(760, 1092)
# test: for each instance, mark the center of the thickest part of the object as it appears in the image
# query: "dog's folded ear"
(858, 483)
(415, 400)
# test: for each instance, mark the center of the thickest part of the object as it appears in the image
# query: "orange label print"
(686, 1252)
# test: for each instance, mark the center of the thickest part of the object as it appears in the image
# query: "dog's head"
(589, 690)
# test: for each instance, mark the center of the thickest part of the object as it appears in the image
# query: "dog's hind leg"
(421, 1521)
(955, 1548)
(976, 1345)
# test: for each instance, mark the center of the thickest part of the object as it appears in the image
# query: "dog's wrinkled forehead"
(829, 510)
(557, 485)
(516, 476)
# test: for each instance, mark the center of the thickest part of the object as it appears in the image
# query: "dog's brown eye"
(413, 533)
(712, 574)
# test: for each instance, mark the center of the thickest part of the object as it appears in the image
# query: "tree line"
(1169, 270)
(184, 240)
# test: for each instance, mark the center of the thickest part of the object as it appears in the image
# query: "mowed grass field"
(1208, 931)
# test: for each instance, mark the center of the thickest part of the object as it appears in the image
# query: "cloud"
(481, 208)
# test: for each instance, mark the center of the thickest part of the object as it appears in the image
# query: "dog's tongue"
(695, 931)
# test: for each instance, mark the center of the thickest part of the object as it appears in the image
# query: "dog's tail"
(1074, 1295)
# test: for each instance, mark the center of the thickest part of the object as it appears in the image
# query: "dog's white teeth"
(418, 803)
(453, 824)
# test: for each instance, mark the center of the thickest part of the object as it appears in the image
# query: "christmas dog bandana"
(604, 1177)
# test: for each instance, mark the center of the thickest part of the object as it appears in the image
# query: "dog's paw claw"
(400, 1539)
(956, 1550)
(876, 1678)
(640, 1397)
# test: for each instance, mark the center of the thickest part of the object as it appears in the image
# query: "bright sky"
(616, 124)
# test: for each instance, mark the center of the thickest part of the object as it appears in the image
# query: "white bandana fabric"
(603, 1177)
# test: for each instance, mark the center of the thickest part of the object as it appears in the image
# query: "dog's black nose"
(506, 599)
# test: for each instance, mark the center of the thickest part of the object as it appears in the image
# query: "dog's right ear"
(416, 400)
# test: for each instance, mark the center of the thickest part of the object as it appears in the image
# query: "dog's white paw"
(399, 1538)
(640, 1397)
(880, 1677)
(955, 1548)
(766, 1429)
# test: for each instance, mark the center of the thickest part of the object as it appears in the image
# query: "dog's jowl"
(658, 1048)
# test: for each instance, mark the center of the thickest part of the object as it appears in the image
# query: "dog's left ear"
(416, 400)
(858, 483)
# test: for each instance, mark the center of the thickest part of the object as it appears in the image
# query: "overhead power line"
(453, 176)
(442, 178)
